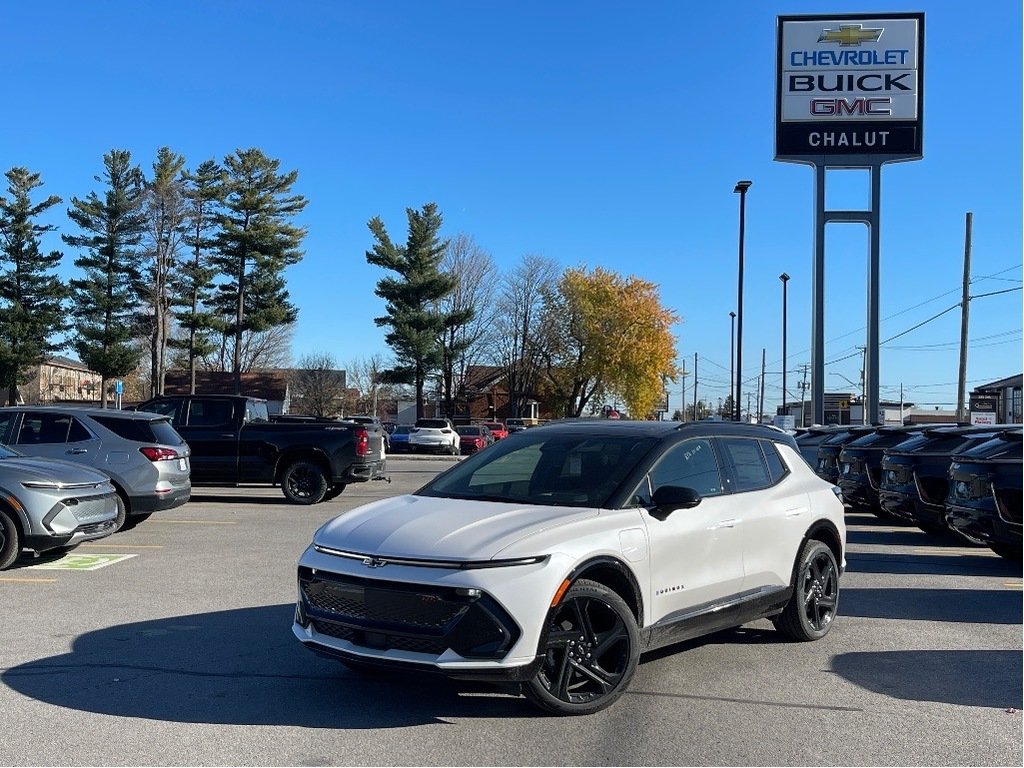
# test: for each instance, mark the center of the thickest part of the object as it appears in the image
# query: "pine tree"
(204, 193)
(165, 210)
(31, 297)
(106, 299)
(411, 298)
(256, 242)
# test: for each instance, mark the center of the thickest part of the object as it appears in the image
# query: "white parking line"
(27, 581)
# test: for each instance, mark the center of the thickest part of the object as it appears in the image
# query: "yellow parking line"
(191, 522)
(1014, 584)
(123, 546)
(27, 581)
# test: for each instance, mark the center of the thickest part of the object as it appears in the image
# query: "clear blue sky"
(594, 133)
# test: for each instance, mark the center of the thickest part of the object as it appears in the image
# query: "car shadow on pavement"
(950, 563)
(972, 606)
(242, 667)
(274, 497)
(963, 677)
(912, 537)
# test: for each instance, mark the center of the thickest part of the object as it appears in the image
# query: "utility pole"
(695, 386)
(803, 397)
(683, 375)
(748, 408)
(760, 402)
(965, 303)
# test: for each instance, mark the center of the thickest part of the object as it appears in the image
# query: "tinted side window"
(209, 413)
(748, 463)
(44, 428)
(776, 466)
(690, 464)
(6, 420)
(164, 408)
(255, 412)
(136, 430)
(78, 433)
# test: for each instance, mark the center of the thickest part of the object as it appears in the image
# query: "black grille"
(384, 615)
(375, 605)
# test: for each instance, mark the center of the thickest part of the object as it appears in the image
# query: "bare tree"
(518, 340)
(319, 385)
(271, 348)
(469, 311)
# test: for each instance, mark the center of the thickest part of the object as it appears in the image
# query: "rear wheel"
(10, 540)
(809, 613)
(304, 482)
(122, 513)
(591, 648)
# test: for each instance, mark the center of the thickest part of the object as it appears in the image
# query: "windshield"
(545, 467)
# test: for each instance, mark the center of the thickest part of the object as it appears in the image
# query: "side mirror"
(669, 498)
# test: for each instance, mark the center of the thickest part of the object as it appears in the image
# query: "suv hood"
(26, 468)
(424, 527)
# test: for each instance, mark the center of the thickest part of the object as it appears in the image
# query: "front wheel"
(809, 613)
(10, 540)
(304, 482)
(591, 648)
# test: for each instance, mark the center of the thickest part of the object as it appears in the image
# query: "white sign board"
(983, 418)
(850, 84)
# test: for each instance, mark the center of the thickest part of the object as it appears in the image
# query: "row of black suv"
(942, 478)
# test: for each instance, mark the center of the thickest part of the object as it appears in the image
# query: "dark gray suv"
(144, 456)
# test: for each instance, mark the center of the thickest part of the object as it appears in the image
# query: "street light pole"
(741, 188)
(732, 364)
(785, 282)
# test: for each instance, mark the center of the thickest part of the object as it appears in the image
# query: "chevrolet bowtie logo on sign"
(850, 34)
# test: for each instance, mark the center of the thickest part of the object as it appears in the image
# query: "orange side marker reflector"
(561, 591)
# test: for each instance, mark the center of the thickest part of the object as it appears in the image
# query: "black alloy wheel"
(810, 612)
(304, 483)
(590, 650)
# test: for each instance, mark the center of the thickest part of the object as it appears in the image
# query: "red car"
(474, 437)
(498, 429)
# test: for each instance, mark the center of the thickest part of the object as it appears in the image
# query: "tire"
(122, 514)
(10, 540)
(304, 482)
(591, 647)
(334, 492)
(132, 520)
(1008, 551)
(810, 611)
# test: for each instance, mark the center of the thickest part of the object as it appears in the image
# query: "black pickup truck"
(233, 441)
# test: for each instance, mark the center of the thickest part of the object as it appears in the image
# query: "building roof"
(268, 385)
(1010, 381)
(66, 362)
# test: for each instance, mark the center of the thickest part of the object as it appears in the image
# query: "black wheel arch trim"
(635, 600)
(826, 532)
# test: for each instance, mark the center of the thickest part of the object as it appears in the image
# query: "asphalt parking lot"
(181, 653)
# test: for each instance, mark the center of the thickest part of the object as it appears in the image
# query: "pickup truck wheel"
(10, 541)
(304, 482)
(590, 649)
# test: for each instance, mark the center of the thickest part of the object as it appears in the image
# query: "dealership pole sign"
(851, 84)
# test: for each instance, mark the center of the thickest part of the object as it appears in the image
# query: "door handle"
(795, 512)
(228, 434)
(76, 451)
(732, 523)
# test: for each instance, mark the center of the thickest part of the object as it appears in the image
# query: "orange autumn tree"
(605, 334)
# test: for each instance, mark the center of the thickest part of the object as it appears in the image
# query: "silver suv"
(46, 505)
(142, 453)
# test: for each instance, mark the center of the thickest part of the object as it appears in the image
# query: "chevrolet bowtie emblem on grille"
(374, 562)
(850, 34)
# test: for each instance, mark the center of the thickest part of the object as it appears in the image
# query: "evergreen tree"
(31, 297)
(256, 243)
(204, 193)
(106, 298)
(165, 210)
(411, 299)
